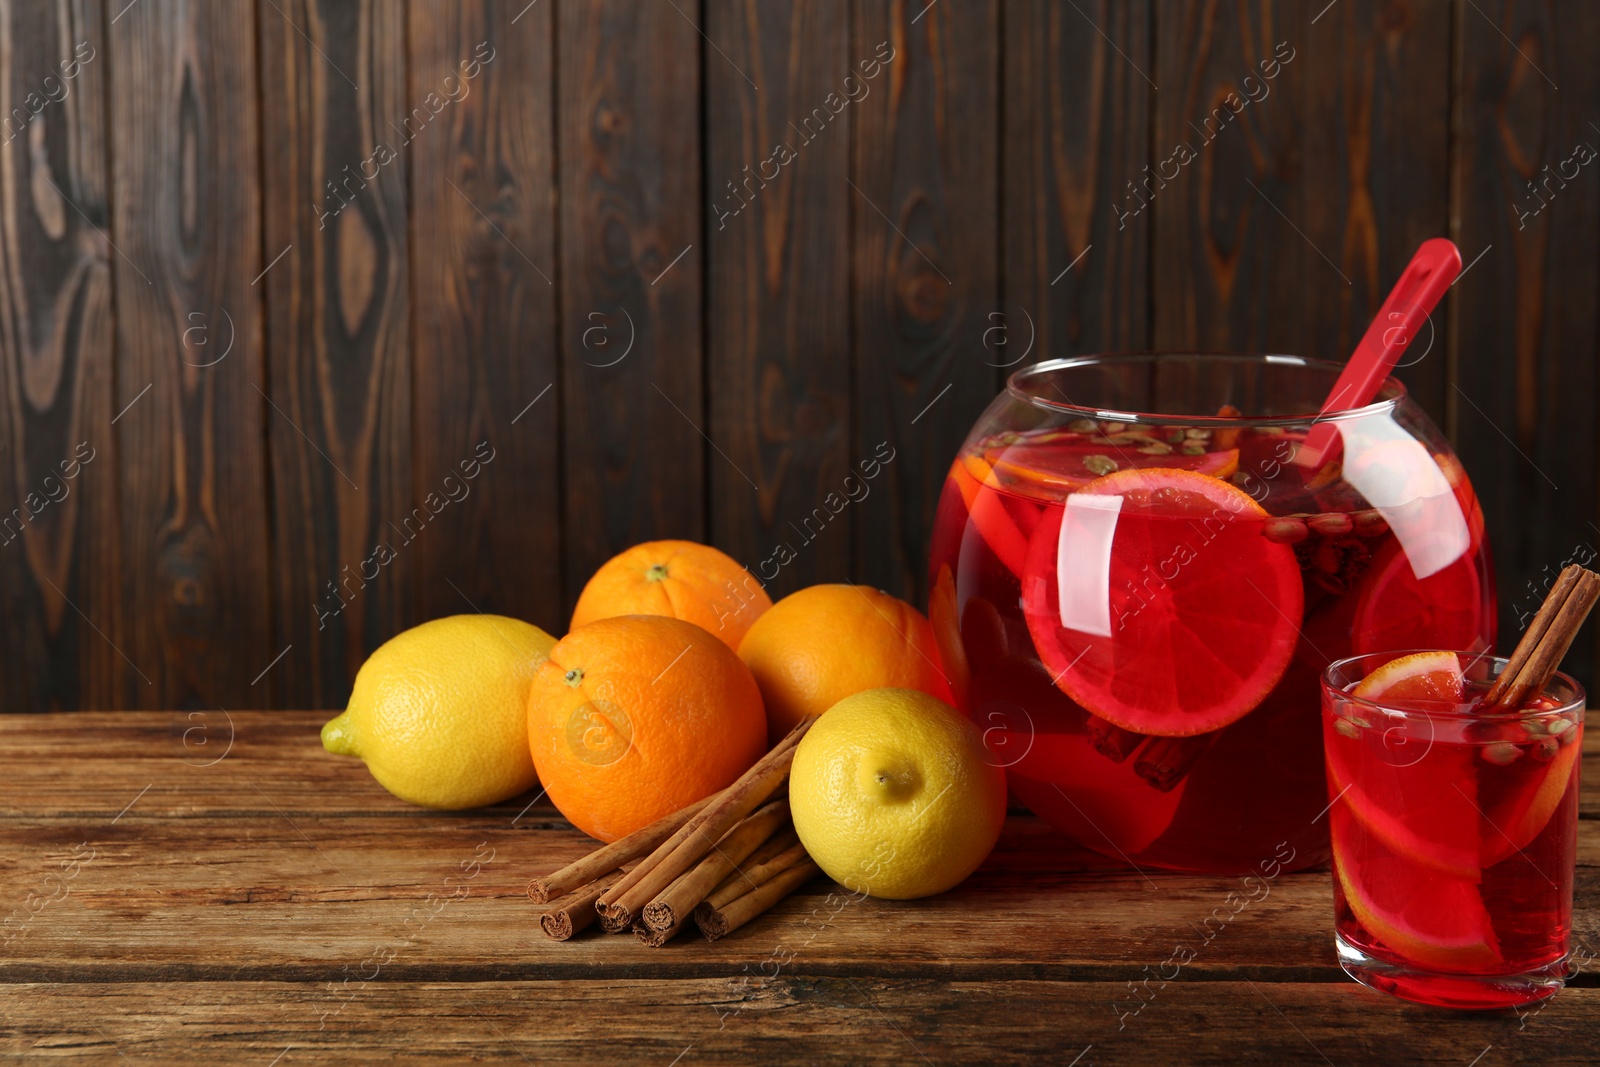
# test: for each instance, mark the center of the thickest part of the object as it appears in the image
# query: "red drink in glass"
(1454, 839)
(1136, 607)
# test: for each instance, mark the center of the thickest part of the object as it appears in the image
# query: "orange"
(1429, 918)
(634, 717)
(1202, 613)
(680, 579)
(822, 644)
(1432, 677)
(1419, 800)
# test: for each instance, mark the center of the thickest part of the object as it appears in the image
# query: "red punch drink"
(1136, 604)
(1454, 829)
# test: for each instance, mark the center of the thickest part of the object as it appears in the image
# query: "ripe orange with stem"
(634, 717)
(680, 579)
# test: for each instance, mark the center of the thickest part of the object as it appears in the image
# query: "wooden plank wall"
(318, 319)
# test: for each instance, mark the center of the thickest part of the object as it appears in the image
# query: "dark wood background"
(549, 272)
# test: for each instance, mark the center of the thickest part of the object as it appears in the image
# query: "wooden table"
(210, 888)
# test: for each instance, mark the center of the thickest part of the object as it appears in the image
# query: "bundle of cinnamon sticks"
(719, 863)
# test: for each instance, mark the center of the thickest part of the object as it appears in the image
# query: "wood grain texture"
(629, 143)
(1525, 336)
(1077, 115)
(123, 753)
(189, 359)
(794, 1017)
(59, 553)
(208, 917)
(779, 122)
(1319, 148)
(271, 893)
(295, 895)
(484, 308)
(336, 115)
(925, 287)
(557, 235)
(240, 834)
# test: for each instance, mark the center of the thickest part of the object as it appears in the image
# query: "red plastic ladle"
(1418, 291)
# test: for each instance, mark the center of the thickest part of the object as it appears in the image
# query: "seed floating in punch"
(1101, 465)
(1285, 531)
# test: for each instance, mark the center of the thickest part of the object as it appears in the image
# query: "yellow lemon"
(894, 794)
(439, 712)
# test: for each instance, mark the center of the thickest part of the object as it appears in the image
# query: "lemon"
(894, 794)
(439, 712)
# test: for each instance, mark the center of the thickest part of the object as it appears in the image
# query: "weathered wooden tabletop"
(210, 888)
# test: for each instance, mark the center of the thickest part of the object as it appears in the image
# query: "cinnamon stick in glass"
(1538, 655)
(1111, 740)
(1167, 760)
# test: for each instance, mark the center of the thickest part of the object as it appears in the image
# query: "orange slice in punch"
(1405, 785)
(1512, 824)
(1426, 678)
(1059, 467)
(1398, 610)
(1420, 915)
(1161, 608)
(986, 510)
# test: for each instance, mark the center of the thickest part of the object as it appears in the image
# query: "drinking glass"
(1454, 838)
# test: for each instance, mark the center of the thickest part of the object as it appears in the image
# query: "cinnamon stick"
(603, 861)
(1538, 655)
(576, 912)
(1167, 760)
(652, 937)
(756, 875)
(1111, 740)
(621, 919)
(625, 900)
(1559, 591)
(715, 923)
(677, 901)
(773, 846)
(656, 938)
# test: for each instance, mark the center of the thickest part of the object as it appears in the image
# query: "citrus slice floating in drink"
(1418, 798)
(1057, 467)
(943, 614)
(1426, 678)
(1038, 736)
(1398, 610)
(987, 511)
(1199, 614)
(1511, 824)
(1426, 918)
